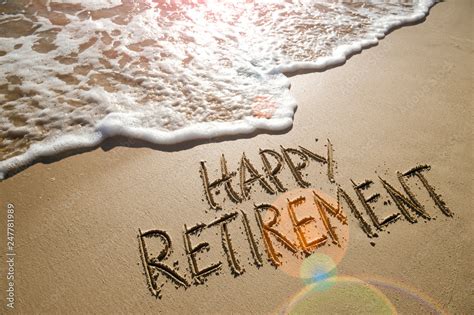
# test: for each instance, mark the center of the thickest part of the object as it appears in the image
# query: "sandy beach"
(81, 222)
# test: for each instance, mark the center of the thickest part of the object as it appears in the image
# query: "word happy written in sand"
(309, 208)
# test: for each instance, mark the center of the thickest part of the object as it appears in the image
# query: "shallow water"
(75, 72)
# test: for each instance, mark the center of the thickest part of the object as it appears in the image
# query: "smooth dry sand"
(406, 102)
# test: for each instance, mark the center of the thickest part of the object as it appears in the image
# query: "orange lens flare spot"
(313, 223)
(264, 107)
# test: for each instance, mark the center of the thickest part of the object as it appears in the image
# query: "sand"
(404, 103)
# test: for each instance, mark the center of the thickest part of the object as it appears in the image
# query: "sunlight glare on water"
(75, 72)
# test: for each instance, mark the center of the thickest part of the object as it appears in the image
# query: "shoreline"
(111, 126)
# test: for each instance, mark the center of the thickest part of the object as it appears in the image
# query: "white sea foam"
(93, 4)
(73, 73)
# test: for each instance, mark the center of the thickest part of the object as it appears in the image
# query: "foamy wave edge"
(111, 126)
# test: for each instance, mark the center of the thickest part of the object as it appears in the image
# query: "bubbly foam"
(73, 74)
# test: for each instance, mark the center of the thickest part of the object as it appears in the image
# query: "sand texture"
(402, 104)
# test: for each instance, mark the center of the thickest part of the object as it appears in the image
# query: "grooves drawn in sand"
(300, 222)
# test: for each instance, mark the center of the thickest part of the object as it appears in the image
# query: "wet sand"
(405, 103)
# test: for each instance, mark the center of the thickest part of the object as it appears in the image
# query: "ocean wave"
(73, 74)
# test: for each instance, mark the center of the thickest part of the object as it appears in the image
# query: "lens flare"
(317, 270)
(344, 295)
(409, 293)
(313, 224)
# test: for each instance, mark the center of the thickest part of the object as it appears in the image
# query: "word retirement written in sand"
(298, 223)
